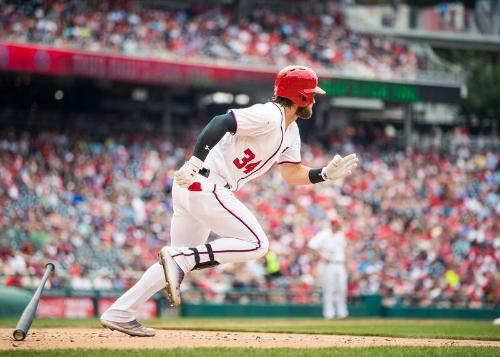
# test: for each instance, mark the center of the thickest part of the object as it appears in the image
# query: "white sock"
(124, 309)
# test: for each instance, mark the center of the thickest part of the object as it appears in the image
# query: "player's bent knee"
(263, 246)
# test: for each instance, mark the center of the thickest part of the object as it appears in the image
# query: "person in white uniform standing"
(330, 244)
(231, 150)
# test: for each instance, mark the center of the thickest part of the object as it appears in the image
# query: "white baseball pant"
(207, 207)
(334, 291)
(215, 209)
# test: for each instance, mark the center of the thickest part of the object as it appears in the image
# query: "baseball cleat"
(173, 277)
(132, 328)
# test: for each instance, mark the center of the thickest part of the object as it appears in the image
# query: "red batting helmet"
(297, 83)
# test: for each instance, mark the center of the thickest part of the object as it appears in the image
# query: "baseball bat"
(24, 323)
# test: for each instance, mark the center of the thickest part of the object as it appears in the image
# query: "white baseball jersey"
(260, 141)
(330, 245)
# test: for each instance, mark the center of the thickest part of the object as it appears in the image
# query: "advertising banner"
(72, 63)
(64, 62)
(83, 307)
(65, 307)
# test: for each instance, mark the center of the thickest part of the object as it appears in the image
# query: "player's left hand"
(340, 167)
(185, 176)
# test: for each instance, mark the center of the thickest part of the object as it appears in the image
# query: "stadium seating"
(422, 228)
(265, 38)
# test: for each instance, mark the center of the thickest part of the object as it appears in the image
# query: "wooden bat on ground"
(29, 313)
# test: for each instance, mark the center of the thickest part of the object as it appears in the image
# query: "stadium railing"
(70, 303)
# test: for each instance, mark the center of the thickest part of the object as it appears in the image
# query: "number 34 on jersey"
(245, 163)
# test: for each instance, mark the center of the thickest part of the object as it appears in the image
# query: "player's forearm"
(207, 139)
(296, 174)
(314, 252)
(212, 133)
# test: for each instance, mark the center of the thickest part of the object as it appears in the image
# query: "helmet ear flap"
(303, 99)
(296, 83)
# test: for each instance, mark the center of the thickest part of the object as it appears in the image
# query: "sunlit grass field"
(289, 352)
(455, 329)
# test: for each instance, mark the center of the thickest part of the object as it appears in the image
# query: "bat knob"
(19, 335)
(51, 266)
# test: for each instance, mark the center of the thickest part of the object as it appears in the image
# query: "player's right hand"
(340, 166)
(185, 176)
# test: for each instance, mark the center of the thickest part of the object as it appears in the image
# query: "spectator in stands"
(423, 228)
(263, 37)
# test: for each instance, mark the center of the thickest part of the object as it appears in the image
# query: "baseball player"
(231, 150)
(329, 244)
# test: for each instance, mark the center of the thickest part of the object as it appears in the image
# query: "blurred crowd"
(313, 34)
(423, 227)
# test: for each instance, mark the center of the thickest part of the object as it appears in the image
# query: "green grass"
(221, 352)
(466, 330)
(456, 329)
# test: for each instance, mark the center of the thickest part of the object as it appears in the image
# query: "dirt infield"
(54, 338)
